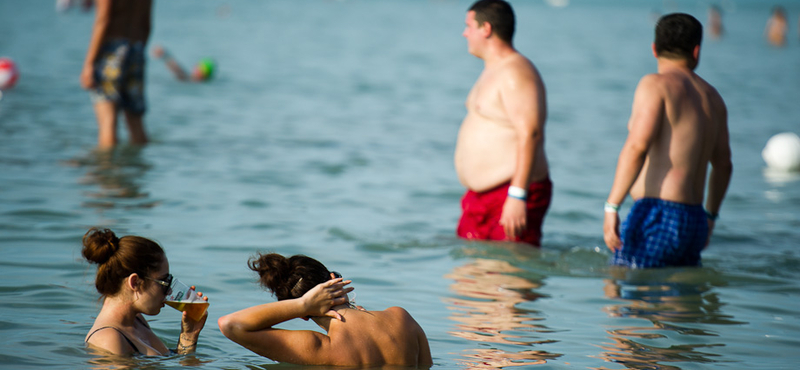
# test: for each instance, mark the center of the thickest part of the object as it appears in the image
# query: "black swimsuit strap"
(120, 333)
(141, 320)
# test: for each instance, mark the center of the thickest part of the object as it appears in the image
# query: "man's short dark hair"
(499, 14)
(677, 34)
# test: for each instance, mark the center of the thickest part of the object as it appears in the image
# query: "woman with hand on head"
(306, 289)
(133, 279)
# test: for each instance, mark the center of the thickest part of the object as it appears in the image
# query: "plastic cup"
(185, 299)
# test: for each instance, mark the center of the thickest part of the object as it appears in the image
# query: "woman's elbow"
(227, 326)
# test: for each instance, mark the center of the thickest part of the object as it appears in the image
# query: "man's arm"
(524, 100)
(101, 20)
(721, 170)
(646, 118)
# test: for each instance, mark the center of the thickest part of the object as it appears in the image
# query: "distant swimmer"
(777, 27)
(678, 126)
(202, 71)
(499, 154)
(715, 22)
(113, 70)
(352, 337)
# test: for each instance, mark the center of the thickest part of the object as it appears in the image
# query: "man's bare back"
(683, 138)
(678, 127)
(487, 147)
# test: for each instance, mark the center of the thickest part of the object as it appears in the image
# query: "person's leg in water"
(136, 131)
(106, 112)
(133, 101)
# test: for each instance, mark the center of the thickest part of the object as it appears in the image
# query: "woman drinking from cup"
(133, 279)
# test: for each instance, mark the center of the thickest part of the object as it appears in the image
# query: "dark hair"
(677, 34)
(499, 14)
(288, 278)
(778, 10)
(117, 258)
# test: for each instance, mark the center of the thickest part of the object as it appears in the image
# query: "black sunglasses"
(165, 284)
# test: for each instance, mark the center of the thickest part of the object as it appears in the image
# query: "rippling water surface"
(330, 130)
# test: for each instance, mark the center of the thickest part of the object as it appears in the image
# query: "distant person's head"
(497, 13)
(779, 12)
(119, 258)
(678, 36)
(204, 69)
(288, 278)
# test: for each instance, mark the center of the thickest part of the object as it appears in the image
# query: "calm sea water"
(330, 131)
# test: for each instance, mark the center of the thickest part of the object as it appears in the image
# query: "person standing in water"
(777, 27)
(353, 337)
(113, 70)
(133, 279)
(678, 126)
(715, 22)
(499, 154)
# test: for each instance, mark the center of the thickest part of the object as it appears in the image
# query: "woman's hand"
(190, 329)
(319, 300)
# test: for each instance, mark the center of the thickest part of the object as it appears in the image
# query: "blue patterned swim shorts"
(659, 233)
(119, 74)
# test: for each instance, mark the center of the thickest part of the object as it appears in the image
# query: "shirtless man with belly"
(500, 156)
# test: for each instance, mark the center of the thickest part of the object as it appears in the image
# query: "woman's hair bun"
(273, 270)
(288, 277)
(99, 245)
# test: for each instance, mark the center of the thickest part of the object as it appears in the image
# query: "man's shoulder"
(653, 83)
(520, 63)
(519, 69)
(654, 80)
(670, 83)
(709, 88)
(678, 84)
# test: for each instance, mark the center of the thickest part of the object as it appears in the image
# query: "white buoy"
(782, 152)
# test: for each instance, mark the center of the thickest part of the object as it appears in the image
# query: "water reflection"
(101, 360)
(681, 305)
(778, 177)
(115, 176)
(488, 292)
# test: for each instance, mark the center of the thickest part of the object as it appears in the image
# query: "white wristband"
(611, 207)
(517, 192)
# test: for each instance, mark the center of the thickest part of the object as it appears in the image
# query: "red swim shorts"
(482, 211)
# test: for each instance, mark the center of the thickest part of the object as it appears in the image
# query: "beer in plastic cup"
(184, 298)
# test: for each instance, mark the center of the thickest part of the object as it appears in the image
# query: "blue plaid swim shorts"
(659, 233)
